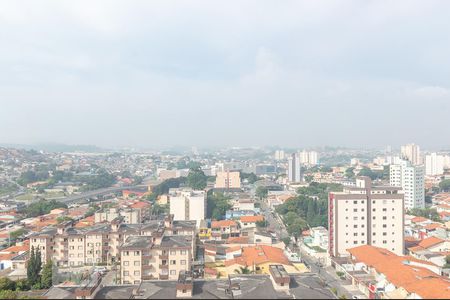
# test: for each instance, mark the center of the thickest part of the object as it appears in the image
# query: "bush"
(22, 285)
(7, 284)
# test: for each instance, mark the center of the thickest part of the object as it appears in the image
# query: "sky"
(225, 73)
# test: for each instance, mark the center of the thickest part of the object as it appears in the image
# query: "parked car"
(101, 270)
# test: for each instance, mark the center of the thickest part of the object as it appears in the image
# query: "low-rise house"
(258, 259)
(379, 273)
(221, 230)
(236, 214)
(250, 221)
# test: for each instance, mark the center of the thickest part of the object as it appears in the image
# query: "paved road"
(328, 279)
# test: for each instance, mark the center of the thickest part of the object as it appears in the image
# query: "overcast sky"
(231, 73)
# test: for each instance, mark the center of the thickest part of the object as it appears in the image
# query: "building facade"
(228, 180)
(366, 215)
(411, 152)
(434, 164)
(187, 204)
(294, 168)
(411, 178)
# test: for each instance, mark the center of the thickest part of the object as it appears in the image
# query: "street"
(329, 279)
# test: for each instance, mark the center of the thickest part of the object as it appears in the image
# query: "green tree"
(430, 213)
(309, 178)
(297, 227)
(447, 262)
(17, 233)
(251, 177)
(31, 274)
(444, 185)
(196, 179)
(46, 278)
(243, 270)
(349, 173)
(261, 224)
(217, 205)
(261, 192)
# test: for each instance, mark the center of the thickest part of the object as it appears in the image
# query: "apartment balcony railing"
(163, 277)
(165, 267)
(163, 256)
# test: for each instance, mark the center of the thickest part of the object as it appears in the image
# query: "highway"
(99, 192)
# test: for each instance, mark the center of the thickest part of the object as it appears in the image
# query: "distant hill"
(57, 147)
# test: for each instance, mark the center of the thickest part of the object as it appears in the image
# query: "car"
(101, 270)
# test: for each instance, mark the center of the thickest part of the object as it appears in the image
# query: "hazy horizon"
(114, 74)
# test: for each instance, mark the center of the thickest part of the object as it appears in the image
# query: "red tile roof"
(223, 223)
(414, 279)
(259, 255)
(140, 204)
(251, 219)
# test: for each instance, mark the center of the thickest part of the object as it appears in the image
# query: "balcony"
(164, 267)
(148, 277)
(163, 277)
(147, 267)
(163, 256)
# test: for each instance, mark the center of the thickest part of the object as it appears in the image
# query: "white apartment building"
(411, 179)
(279, 155)
(366, 215)
(434, 164)
(309, 158)
(187, 204)
(411, 152)
(294, 170)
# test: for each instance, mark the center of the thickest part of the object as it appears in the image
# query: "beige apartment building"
(144, 258)
(67, 246)
(228, 180)
(366, 215)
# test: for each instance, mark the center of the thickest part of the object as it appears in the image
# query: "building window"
(126, 273)
(137, 263)
(355, 226)
(384, 242)
(355, 234)
(173, 262)
(126, 263)
(355, 210)
(355, 202)
(137, 252)
(355, 242)
(183, 262)
(384, 225)
(137, 273)
(355, 218)
(384, 233)
(173, 272)
(173, 252)
(384, 217)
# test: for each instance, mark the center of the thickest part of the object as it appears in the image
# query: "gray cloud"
(148, 73)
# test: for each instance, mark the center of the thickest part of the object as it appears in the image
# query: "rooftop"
(398, 271)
